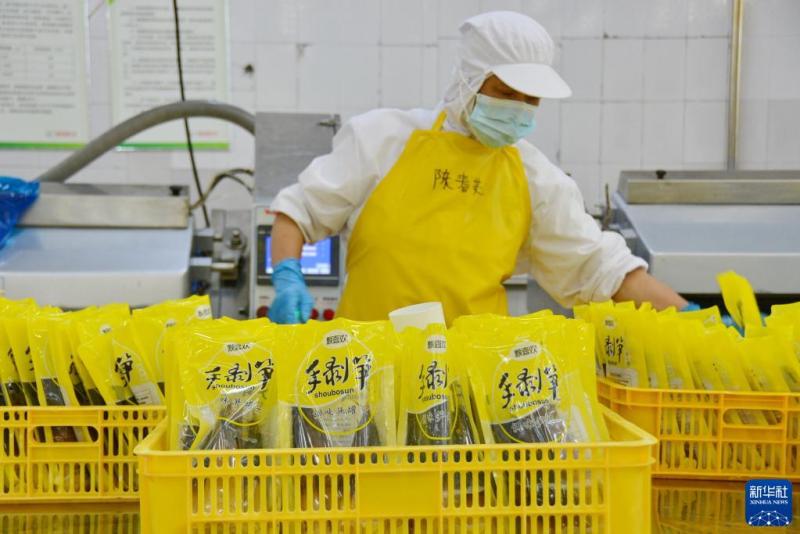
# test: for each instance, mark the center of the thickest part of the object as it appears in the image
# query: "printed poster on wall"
(43, 74)
(144, 68)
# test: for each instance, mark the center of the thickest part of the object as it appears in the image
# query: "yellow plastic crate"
(698, 437)
(602, 488)
(99, 467)
(72, 518)
(706, 507)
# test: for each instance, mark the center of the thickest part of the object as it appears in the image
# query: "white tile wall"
(587, 176)
(582, 67)
(547, 135)
(581, 19)
(758, 18)
(276, 76)
(784, 66)
(401, 80)
(649, 79)
(783, 16)
(664, 69)
(338, 77)
(752, 148)
(666, 18)
(277, 21)
(243, 19)
(452, 13)
(709, 18)
(580, 132)
(662, 135)
(705, 134)
(501, 5)
(783, 141)
(707, 65)
(242, 53)
(548, 13)
(624, 18)
(622, 69)
(621, 133)
(446, 58)
(408, 22)
(430, 77)
(341, 22)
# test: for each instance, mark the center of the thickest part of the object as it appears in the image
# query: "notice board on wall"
(43, 74)
(144, 70)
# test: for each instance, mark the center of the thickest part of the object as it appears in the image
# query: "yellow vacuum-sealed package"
(18, 336)
(435, 395)
(182, 429)
(676, 364)
(150, 325)
(17, 332)
(739, 298)
(229, 376)
(708, 316)
(13, 394)
(100, 321)
(90, 338)
(150, 333)
(787, 323)
(528, 384)
(134, 371)
(93, 396)
(341, 390)
(653, 350)
(179, 311)
(619, 333)
(97, 356)
(49, 353)
(780, 351)
(757, 358)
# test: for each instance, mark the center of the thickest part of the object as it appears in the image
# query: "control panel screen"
(319, 261)
(316, 260)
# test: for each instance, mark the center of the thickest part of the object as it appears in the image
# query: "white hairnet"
(491, 40)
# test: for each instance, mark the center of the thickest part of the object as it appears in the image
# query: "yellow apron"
(446, 223)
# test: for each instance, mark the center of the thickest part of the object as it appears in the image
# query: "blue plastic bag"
(16, 196)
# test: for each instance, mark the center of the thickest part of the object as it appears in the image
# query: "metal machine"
(285, 144)
(85, 244)
(692, 225)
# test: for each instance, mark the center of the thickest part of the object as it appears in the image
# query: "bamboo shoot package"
(619, 333)
(227, 386)
(528, 377)
(341, 389)
(151, 323)
(13, 392)
(435, 407)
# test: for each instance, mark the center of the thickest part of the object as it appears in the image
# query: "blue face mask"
(497, 122)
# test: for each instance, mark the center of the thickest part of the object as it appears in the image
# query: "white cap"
(515, 48)
(417, 315)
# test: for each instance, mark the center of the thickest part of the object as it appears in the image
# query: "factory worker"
(446, 204)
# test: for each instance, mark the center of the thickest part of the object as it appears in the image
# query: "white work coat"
(565, 251)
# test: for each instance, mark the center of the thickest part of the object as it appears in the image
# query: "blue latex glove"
(691, 306)
(293, 302)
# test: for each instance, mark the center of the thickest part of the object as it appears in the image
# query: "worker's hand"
(293, 302)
